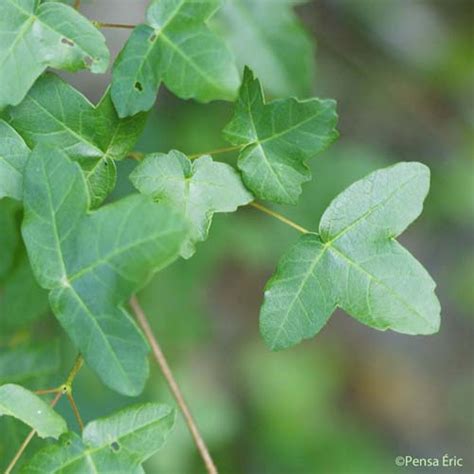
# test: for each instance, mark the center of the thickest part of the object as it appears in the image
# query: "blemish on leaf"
(115, 446)
(67, 41)
(138, 86)
(88, 61)
(152, 38)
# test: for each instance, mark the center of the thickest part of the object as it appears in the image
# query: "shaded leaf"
(356, 264)
(24, 363)
(13, 157)
(16, 310)
(9, 235)
(93, 261)
(20, 403)
(119, 443)
(197, 188)
(37, 36)
(176, 47)
(55, 113)
(267, 36)
(277, 138)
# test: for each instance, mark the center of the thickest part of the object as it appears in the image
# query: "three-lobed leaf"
(92, 262)
(175, 47)
(119, 443)
(267, 36)
(24, 405)
(55, 113)
(39, 35)
(356, 264)
(277, 138)
(198, 189)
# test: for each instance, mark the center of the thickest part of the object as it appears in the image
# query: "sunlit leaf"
(198, 188)
(178, 48)
(20, 403)
(93, 261)
(35, 36)
(277, 138)
(356, 264)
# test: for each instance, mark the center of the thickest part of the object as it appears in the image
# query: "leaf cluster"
(82, 256)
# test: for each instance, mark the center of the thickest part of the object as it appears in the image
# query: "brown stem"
(165, 368)
(77, 4)
(100, 24)
(48, 390)
(27, 440)
(215, 152)
(75, 410)
(278, 216)
(64, 389)
(136, 155)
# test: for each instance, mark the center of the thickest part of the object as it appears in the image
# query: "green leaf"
(16, 310)
(177, 47)
(35, 37)
(94, 261)
(13, 157)
(118, 444)
(356, 264)
(27, 362)
(9, 235)
(20, 403)
(268, 37)
(198, 189)
(277, 138)
(55, 113)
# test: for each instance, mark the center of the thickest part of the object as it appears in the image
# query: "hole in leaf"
(67, 41)
(138, 86)
(152, 38)
(115, 446)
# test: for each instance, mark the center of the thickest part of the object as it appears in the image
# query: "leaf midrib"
(67, 128)
(90, 451)
(106, 259)
(370, 211)
(305, 279)
(374, 278)
(258, 143)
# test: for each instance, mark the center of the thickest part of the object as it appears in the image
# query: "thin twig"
(215, 152)
(136, 155)
(65, 389)
(78, 363)
(77, 4)
(48, 390)
(28, 439)
(278, 216)
(100, 24)
(165, 368)
(75, 410)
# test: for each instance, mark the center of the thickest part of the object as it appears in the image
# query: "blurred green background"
(352, 399)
